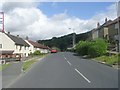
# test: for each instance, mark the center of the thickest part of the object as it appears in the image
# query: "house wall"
(44, 50)
(23, 50)
(7, 43)
(31, 49)
(94, 34)
(113, 31)
(101, 33)
(106, 33)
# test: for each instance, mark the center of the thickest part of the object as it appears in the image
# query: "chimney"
(17, 35)
(106, 20)
(98, 24)
(9, 33)
(26, 38)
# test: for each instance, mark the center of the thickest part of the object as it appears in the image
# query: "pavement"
(67, 70)
(10, 73)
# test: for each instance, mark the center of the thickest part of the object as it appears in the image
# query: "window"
(25, 47)
(20, 47)
(116, 26)
(0, 45)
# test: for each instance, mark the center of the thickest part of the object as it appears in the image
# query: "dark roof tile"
(38, 45)
(17, 40)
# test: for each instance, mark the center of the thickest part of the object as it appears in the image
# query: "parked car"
(53, 51)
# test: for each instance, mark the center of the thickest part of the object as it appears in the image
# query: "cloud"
(26, 19)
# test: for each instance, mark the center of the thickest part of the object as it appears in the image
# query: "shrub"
(37, 52)
(82, 47)
(94, 48)
(97, 48)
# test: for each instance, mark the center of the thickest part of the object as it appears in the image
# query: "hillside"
(64, 42)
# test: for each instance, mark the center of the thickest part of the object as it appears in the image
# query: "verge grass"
(110, 60)
(3, 66)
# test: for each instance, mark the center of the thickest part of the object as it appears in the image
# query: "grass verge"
(27, 64)
(110, 60)
(3, 66)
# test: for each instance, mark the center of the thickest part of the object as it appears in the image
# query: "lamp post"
(73, 37)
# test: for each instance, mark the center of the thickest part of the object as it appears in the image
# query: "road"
(11, 73)
(67, 70)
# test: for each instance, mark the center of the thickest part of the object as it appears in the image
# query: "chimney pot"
(27, 38)
(105, 20)
(8, 32)
(98, 24)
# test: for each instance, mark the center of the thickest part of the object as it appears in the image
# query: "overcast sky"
(47, 20)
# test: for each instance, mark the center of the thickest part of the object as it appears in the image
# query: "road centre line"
(69, 63)
(82, 75)
(65, 58)
(78, 71)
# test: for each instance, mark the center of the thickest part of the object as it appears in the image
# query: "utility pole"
(74, 37)
(2, 20)
(118, 19)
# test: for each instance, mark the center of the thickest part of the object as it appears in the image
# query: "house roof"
(113, 22)
(17, 40)
(38, 45)
(105, 24)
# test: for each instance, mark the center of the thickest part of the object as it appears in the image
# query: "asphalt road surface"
(67, 70)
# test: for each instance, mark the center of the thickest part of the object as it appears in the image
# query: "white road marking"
(65, 58)
(69, 63)
(82, 75)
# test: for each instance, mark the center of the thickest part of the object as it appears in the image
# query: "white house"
(36, 46)
(13, 45)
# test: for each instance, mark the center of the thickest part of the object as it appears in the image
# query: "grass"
(3, 66)
(110, 60)
(27, 64)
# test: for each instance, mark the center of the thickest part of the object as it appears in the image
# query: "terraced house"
(37, 46)
(108, 30)
(12, 46)
(113, 29)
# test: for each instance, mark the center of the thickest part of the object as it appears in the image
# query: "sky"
(44, 20)
(84, 10)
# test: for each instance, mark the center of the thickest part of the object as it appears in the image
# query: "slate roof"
(113, 22)
(38, 45)
(105, 24)
(17, 40)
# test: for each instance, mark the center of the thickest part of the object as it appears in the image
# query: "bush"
(82, 47)
(37, 52)
(94, 48)
(98, 48)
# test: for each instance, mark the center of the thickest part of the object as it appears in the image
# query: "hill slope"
(64, 42)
